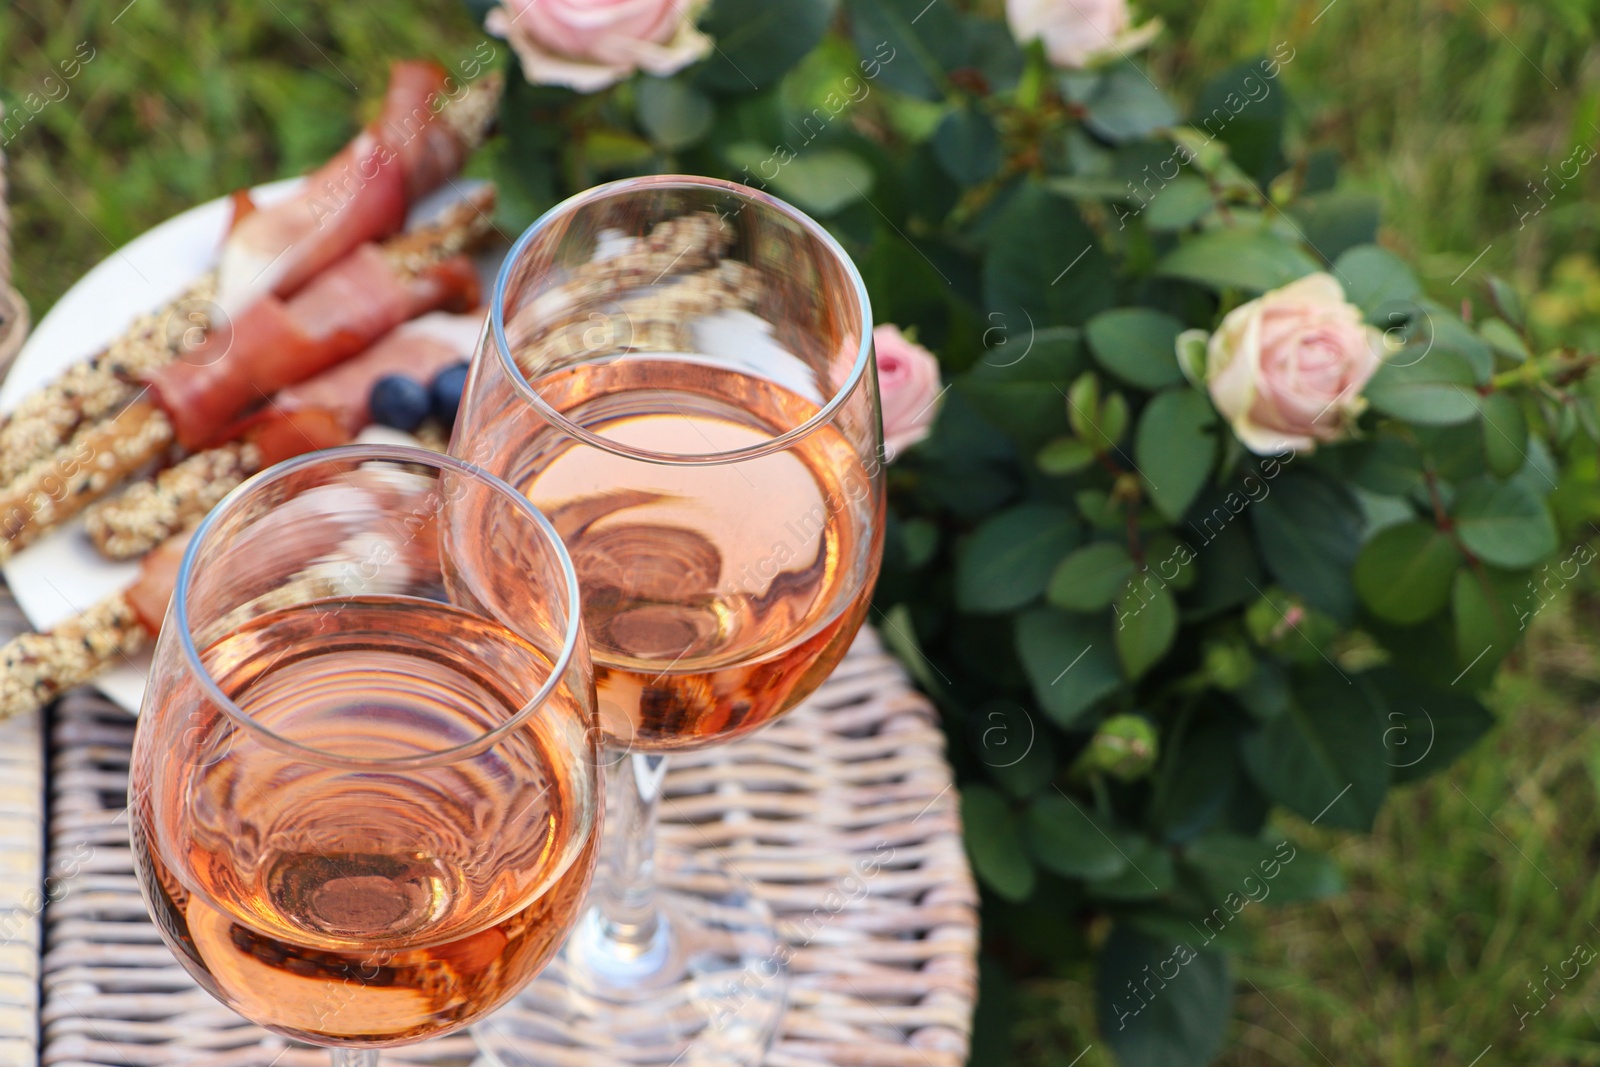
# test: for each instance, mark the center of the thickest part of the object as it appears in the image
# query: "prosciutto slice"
(418, 349)
(361, 194)
(275, 343)
(158, 577)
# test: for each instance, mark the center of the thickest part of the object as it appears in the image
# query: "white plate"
(61, 575)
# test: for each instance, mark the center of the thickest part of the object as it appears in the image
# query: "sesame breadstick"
(149, 512)
(37, 668)
(61, 485)
(98, 387)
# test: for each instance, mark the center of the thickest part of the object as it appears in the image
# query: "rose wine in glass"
(364, 789)
(678, 373)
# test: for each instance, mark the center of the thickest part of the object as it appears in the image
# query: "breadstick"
(151, 511)
(59, 486)
(37, 668)
(96, 388)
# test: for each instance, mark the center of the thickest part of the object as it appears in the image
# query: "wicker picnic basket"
(885, 978)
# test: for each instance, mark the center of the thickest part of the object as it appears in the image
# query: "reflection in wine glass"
(364, 785)
(678, 371)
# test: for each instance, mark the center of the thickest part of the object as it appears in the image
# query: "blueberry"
(446, 389)
(399, 402)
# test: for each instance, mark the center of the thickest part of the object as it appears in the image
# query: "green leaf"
(1505, 434)
(1146, 624)
(1337, 221)
(1014, 751)
(1309, 532)
(1245, 111)
(1505, 300)
(1446, 332)
(994, 52)
(821, 180)
(1435, 389)
(1070, 661)
(1007, 561)
(968, 146)
(994, 843)
(1183, 1023)
(607, 149)
(1425, 729)
(1324, 757)
(1231, 574)
(1090, 578)
(1101, 511)
(1386, 465)
(1264, 872)
(1065, 455)
(759, 40)
(1489, 606)
(1063, 837)
(1175, 450)
(1250, 259)
(1373, 277)
(1126, 104)
(925, 42)
(1138, 345)
(1504, 523)
(1183, 202)
(1500, 336)
(1044, 265)
(1018, 387)
(1148, 874)
(1266, 693)
(1195, 777)
(674, 114)
(1404, 573)
(900, 636)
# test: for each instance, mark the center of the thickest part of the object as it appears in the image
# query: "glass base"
(707, 990)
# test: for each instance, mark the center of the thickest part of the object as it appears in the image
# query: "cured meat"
(420, 140)
(418, 349)
(275, 343)
(158, 576)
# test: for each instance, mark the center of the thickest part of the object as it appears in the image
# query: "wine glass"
(364, 787)
(678, 372)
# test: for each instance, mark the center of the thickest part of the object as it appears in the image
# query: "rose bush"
(1222, 523)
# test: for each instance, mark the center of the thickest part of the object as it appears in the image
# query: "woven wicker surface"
(21, 871)
(883, 972)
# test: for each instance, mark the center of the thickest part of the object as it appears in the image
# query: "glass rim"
(824, 415)
(356, 453)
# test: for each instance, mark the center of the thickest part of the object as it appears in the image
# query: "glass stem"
(354, 1057)
(627, 897)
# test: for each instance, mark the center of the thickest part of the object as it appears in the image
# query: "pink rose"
(908, 382)
(590, 44)
(1080, 33)
(1287, 369)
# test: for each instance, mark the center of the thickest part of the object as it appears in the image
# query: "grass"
(1473, 886)
(1445, 109)
(1474, 882)
(175, 103)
